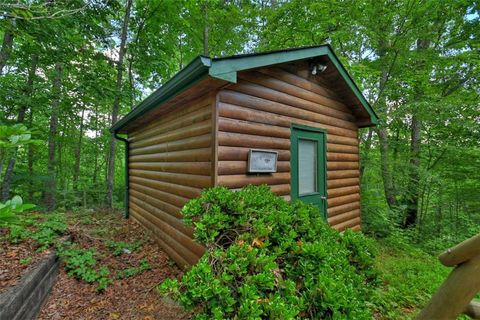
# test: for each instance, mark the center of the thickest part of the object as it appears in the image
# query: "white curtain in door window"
(307, 166)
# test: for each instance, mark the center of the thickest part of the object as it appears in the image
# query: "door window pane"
(307, 166)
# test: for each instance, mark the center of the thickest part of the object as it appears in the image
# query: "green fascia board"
(227, 69)
(229, 65)
(351, 84)
(187, 77)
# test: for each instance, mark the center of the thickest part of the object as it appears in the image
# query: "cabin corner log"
(456, 292)
(473, 309)
(461, 252)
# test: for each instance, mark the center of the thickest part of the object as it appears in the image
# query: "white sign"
(262, 161)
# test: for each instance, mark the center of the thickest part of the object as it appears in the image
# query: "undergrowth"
(269, 259)
(44, 229)
(82, 264)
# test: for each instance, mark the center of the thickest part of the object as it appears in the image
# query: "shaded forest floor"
(17, 259)
(136, 265)
(123, 247)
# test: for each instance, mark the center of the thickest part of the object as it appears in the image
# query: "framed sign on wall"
(262, 161)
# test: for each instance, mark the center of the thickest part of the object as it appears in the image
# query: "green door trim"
(309, 133)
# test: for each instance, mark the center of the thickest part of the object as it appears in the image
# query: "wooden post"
(457, 291)
(461, 252)
(473, 309)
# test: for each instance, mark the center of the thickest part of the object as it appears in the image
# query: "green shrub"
(269, 259)
(49, 230)
(44, 237)
(10, 208)
(81, 264)
(17, 233)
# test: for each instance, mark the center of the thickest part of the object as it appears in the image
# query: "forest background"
(70, 69)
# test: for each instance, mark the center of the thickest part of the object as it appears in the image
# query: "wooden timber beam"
(473, 309)
(461, 252)
(461, 286)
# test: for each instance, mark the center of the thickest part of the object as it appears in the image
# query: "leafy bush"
(17, 233)
(49, 230)
(10, 208)
(44, 237)
(81, 264)
(269, 259)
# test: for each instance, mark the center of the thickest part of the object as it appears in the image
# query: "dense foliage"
(50, 231)
(69, 69)
(269, 259)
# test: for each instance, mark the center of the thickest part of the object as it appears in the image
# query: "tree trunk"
(78, 152)
(6, 49)
(116, 105)
(7, 180)
(205, 29)
(382, 130)
(413, 189)
(368, 145)
(50, 197)
(385, 168)
(30, 164)
(63, 127)
(414, 175)
(97, 150)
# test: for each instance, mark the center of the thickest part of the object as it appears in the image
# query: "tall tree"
(413, 188)
(7, 180)
(78, 151)
(7, 44)
(116, 103)
(51, 187)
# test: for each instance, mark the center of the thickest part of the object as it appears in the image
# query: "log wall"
(204, 141)
(170, 162)
(257, 113)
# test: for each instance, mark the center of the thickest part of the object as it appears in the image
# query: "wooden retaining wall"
(25, 299)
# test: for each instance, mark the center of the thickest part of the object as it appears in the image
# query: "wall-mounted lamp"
(318, 68)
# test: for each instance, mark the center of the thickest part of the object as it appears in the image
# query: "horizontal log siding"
(170, 163)
(257, 113)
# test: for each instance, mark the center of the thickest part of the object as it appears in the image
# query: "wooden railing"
(455, 295)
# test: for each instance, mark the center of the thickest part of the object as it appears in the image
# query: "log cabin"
(287, 118)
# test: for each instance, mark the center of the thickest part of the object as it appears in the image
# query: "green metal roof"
(227, 68)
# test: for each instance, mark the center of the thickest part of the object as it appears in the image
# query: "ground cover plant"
(269, 259)
(25, 237)
(111, 269)
(409, 275)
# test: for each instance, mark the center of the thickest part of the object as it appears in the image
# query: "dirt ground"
(16, 260)
(135, 297)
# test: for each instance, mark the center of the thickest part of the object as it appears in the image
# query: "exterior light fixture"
(318, 68)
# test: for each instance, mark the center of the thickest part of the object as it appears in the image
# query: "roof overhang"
(227, 68)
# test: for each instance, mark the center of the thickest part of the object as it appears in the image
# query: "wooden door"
(308, 166)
